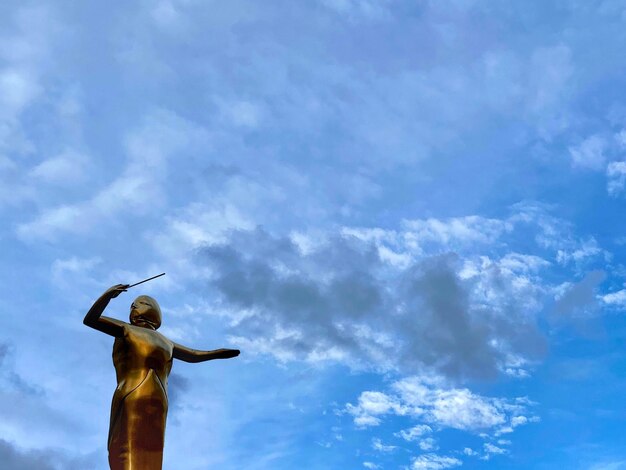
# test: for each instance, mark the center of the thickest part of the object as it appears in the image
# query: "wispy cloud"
(137, 190)
(590, 153)
(616, 175)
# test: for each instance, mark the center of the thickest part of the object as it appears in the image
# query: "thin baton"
(145, 280)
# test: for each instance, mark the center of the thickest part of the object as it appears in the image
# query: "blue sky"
(408, 215)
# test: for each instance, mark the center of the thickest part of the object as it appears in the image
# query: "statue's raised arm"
(94, 317)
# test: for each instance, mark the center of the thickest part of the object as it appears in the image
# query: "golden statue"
(143, 359)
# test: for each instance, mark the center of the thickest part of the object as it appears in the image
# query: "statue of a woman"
(143, 359)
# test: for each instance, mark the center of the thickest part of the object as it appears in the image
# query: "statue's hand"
(115, 290)
(228, 353)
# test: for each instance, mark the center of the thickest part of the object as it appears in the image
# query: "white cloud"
(461, 409)
(379, 446)
(437, 406)
(616, 178)
(615, 299)
(428, 444)
(415, 433)
(590, 153)
(442, 407)
(587, 249)
(370, 465)
(518, 262)
(434, 462)
(557, 235)
(455, 231)
(516, 366)
(371, 406)
(516, 421)
(453, 408)
(491, 449)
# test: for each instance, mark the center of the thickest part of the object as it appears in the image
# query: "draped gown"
(143, 359)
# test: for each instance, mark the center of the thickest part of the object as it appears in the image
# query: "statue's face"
(144, 313)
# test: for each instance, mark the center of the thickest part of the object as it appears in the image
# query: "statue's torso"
(143, 360)
(136, 353)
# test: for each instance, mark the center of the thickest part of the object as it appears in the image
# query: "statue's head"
(145, 311)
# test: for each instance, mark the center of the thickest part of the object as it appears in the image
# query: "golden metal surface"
(143, 359)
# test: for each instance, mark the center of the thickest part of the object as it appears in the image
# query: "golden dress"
(143, 359)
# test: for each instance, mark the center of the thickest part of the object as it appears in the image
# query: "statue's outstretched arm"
(192, 355)
(94, 317)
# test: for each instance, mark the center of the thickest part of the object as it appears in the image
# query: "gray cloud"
(580, 298)
(579, 304)
(341, 301)
(11, 380)
(12, 458)
(4, 351)
(177, 384)
(34, 417)
(440, 317)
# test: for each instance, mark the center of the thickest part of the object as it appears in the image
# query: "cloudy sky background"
(408, 215)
